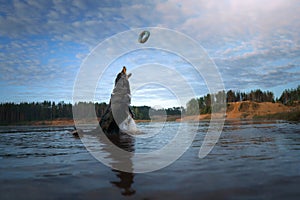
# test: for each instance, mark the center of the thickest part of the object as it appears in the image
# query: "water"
(252, 160)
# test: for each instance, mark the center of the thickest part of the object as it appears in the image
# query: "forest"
(13, 113)
(17, 113)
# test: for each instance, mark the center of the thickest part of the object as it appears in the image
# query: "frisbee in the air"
(144, 36)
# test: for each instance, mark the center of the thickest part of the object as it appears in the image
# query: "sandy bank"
(247, 110)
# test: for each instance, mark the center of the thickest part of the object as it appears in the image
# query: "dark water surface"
(250, 161)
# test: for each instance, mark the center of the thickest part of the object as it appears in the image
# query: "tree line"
(47, 110)
(146, 112)
(202, 105)
(253, 95)
(13, 113)
(17, 113)
(290, 96)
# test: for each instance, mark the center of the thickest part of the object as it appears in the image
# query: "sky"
(253, 43)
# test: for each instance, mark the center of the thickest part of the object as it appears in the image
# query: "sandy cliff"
(247, 110)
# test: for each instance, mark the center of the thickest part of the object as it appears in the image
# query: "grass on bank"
(289, 116)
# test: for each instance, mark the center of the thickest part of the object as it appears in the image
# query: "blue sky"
(254, 44)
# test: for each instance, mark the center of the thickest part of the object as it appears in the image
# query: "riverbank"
(245, 110)
(248, 110)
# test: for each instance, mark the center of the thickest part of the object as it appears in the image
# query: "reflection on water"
(251, 160)
(125, 142)
(126, 180)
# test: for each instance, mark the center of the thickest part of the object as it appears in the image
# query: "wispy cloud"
(42, 43)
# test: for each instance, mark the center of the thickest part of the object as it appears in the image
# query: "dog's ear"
(129, 75)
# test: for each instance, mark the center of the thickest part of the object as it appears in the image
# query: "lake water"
(252, 160)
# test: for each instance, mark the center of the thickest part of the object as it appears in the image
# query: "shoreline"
(62, 123)
(245, 110)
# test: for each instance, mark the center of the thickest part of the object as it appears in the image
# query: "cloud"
(209, 22)
(242, 37)
(32, 72)
(229, 18)
(254, 43)
(27, 61)
(259, 68)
